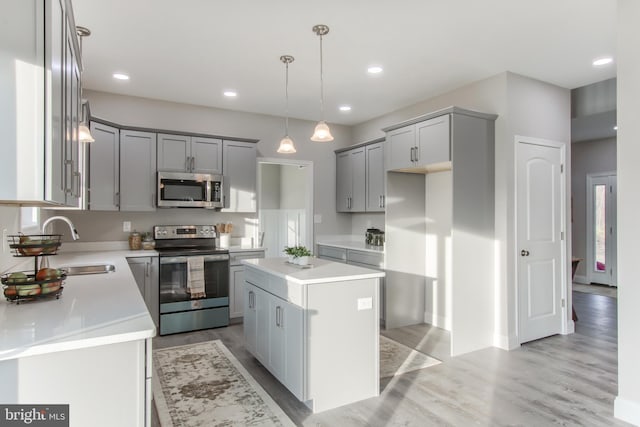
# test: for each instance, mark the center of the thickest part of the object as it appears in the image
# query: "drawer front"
(369, 258)
(235, 257)
(277, 286)
(331, 253)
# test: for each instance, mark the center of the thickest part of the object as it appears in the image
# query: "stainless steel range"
(194, 278)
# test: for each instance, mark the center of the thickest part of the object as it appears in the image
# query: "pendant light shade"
(84, 134)
(286, 143)
(322, 133)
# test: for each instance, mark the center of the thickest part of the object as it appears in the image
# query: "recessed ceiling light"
(230, 93)
(120, 76)
(374, 69)
(606, 60)
(345, 108)
(615, 128)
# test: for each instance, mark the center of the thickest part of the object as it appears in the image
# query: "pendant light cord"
(321, 83)
(286, 96)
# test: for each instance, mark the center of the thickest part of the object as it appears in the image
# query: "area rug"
(396, 358)
(604, 290)
(205, 385)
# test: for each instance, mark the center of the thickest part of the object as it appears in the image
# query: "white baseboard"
(505, 342)
(581, 279)
(437, 321)
(626, 410)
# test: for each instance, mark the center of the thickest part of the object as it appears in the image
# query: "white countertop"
(351, 244)
(321, 270)
(93, 310)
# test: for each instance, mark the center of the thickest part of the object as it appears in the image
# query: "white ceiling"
(190, 51)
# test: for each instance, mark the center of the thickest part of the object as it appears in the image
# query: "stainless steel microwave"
(192, 190)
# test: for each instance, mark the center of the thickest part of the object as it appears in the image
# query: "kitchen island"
(315, 328)
(90, 349)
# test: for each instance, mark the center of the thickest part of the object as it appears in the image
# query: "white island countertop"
(321, 270)
(92, 310)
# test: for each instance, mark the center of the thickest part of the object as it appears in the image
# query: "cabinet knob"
(524, 252)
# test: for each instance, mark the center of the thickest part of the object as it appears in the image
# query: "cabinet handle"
(147, 269)
(193, 163)
(153, 200)
(78, 183)
(384, 201)
(278, 316)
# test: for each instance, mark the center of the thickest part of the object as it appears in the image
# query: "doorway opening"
(285, 204)
(601, 229)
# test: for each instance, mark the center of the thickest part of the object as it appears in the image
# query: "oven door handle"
(183, 259)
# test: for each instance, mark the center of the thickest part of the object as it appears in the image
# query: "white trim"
(310, 185)
(506, 342)
(626, 410)
(437, 320)
(589, 226)
(565, 244)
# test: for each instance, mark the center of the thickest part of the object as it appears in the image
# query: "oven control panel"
(161, 232)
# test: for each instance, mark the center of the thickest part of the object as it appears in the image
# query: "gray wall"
(292, 187)
(525, 107)
(133, 111)
(586, 158)
(270, 187)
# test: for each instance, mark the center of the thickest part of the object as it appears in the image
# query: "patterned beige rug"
(205, 385)
(396, 358)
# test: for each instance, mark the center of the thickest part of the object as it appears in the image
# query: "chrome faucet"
(74, 232)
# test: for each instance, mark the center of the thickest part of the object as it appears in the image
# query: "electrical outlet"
(317, 219)
(126, 226)
(365, 303)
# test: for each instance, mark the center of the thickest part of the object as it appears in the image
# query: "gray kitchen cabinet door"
(104, 168)
(433, 140)
(236, 291)
(239, 168)
(71, 106)
(145, 272)
(174, 153)
(401, 147)
(344, 181)
(285, 345)
(250, 321)
(351, 180)
(359, 180)
(137, 171)
(206, 154)
(375, 200)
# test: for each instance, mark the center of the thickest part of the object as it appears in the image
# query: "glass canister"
(135, 241)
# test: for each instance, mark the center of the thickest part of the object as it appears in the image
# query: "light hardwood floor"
(561, 380)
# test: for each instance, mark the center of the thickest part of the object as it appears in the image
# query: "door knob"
(524, 253)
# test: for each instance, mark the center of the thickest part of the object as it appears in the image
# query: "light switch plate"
(365, 303)
(126, 226)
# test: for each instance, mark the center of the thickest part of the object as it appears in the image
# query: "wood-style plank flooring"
(561, 380)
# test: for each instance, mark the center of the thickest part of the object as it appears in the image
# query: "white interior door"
(601, 229)
(540, 232)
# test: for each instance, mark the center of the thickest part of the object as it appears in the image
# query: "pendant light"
(321, 132)
(286, 143)
(84, 134)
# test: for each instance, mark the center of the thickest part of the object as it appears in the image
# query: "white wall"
(293, 186)
(586, 158)
(627, 404)
(141, 112)
(9, 224)
(524, 107)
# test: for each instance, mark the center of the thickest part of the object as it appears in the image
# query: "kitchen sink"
(77, 270)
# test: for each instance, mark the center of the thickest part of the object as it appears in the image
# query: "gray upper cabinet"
(239, 168)
(104, 168)
(420, 145)
(137, 171)
(350, 180)
(181, 153)
(375, 200)
(360, 178)
(39, 68)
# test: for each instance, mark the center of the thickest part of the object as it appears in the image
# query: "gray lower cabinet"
(236, 280)
(273, 333)
(239, 166)
(137, 171)
(375, 177)
(360, 258)
(146, 272)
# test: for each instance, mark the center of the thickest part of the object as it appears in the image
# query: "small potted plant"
(298, 254)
